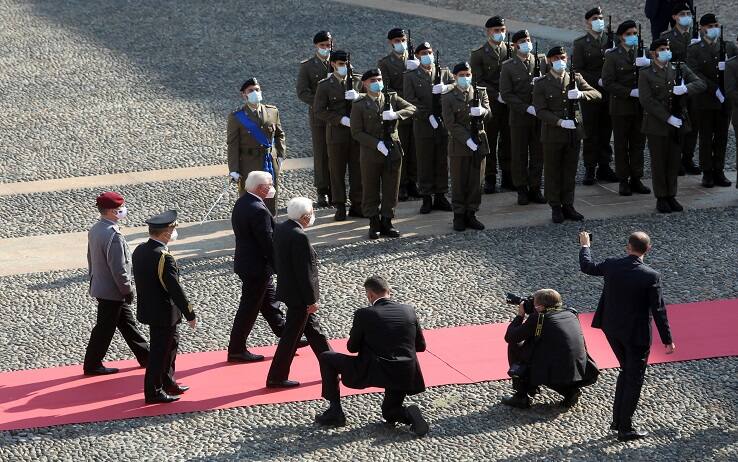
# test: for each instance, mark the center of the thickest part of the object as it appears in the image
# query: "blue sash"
(260, 137)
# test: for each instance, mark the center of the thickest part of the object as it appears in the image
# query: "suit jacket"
(387, 336)
(108, 262)
(630, 298)
(253, 226)
(296, 265)
(161, 299)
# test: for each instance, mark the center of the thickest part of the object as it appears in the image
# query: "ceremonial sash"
(260, 137)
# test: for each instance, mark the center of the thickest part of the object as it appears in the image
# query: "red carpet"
(468, 354)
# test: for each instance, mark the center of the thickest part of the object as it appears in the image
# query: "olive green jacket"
(330, 107)
(243, 148)
(367, 125)
(551, 103)
(619, 78)
(456, 116)
(486, 63)
(655, 86)
(419, 92)
(516, 87)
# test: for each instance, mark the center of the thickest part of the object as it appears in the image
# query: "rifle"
(675, 104)
(537, 65)
(723, 56)
(349, 83)
(610, 33)
(571, 106)
(410, 48)
(640, 51)
(437, 109)
(509, 48)
(695, 29)
(388, 128)
(476, 122)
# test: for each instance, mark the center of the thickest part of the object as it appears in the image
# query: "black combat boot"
(570, 213)
(507, 182)
(387, 228)
(589, 176)
(605, 174)
(557, 216)
(375, 226)
(708, 180)
(490, 184)
(340, 212)
(637, 186)
(441, 203)
(523, 193)
(720, 179)
(624, 188)
(412, 190)
(535, 196)
(355, 211)
(690, 167)
(662, 205)
(402, 194)
(459, 222)
(674, 205)
(427, 205)
(472, 222)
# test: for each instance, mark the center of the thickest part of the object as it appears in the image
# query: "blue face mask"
(525, 47)
(464, 82)
(713, 33)
(598, 25)
(664, 56)
(498, 36)
(631, 40)
(685, 21)
(342, 70)
(376, 87)
(324, 52)
(400, 47)
(559, 66)
(427, 60)
(254, 97)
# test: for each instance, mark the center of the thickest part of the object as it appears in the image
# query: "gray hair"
(299, 207)
(256, 179)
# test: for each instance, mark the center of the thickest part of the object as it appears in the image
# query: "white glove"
(439, 88)
(574, 94)
(412, 64)
(351, 95)
(721, 66)
(531, 110)
(694, 40)
(477, 111)
(499, 98)
(382, 148)
(472, 145)
(720, 96)
(389, 115)
(600, 83)
(345, 121)
(679, 89)
(433, 121)
(235, 176)
(634, 93)
(568, 124)
(642, 61)
(674, 122)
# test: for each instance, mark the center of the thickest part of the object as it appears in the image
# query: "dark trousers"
(665, 159)
(633, 360)
(333, 364)
(432, 154)
(527, 155)
(629, 145)
(596, 148)
(689, 140)
(257, 295)
(498, 137)
(713, 128)
(298, 322)
(113, 314)
(321, 171)
(409, 171)
(559, 172)
(160, 369)
(343, 156)
(520, 353)
(381, 184)
(466, 183)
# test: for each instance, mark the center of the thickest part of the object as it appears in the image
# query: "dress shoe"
(412, 190)
(161, 398)
(707, 180)
(355, 211)
(459, 222)
(536, 197)
(245, 357)
(441, 203)
(387, 228)
(340, 213)
(490, 185)
(283, 384)
(322, 200)
(375, 226)
(101, 370)
(418, 425)
(571, 399)
(570, 213)
(472, 221)
(523, 198)
(662, 205)
(631, 435)
(402, 194)
(518, 400)
(427, 205)
(507, 183)
(690, 167)
(637, 186)
(176, 389)
(674, 205)
(332, 416)
(720, 180)
(557, 216)
(605, 174)
(589, 176)
(624, 188)
(302, 343)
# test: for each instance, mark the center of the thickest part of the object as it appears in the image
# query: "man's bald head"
(639, 243)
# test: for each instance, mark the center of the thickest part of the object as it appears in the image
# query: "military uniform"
(245, 154)
(486, 63)
(392, 67)
(588, 58)
(731, 92)
(343, 150)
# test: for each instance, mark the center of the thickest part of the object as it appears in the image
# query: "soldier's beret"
(495, 21)
(396, 33)
(371, 73)
(109, 200)
(624, 26)
(461, 67)
(521, 34)
(658, 43)
(422, 46)
(708, 18)
(592, 12)
(322, 36)
(679, 7)
(163, 220)
(555, 51)
(338, 55)
(249, 82)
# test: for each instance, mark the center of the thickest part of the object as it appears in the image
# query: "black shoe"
(283, 384)
(375, 226)
(161, 398)
(589, 176)
(631, 435)
(427, 205)
(459, 222)
(322, 200)
(418, 425)
(490, 185)
(143, 364)
(245, 357)
(176, 389)
(613, 426)
(340, 213)
(721, 180)
(101, 370)
(570, 213)
(302, 343)
(518, 400)
(535, 196)
(441, 203)
(681, 171)
(637, 186)
(662, 205)
(674, 205)
(507, 183)
(402, 194)
(523, 194)
(557, 215)
(572, 399)
(331, 417)
(472, 221)
(355, 211)
(605, 174)
(412, 190)
(387, 228)
(707, 180)
(690, 168)
(624, 188)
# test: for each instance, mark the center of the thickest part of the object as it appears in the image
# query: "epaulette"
(323, 80)
(695, 43)
(509, 60)
(478, 48)
(360, 97)
(305, 60)
(270, 106)
(583, 37)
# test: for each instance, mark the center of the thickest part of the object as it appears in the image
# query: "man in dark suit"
(161, 304)
(386, 336)
(547, 349)
(630, 298)
(298, 288)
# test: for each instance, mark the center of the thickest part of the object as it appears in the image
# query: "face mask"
(559, 66)
(376, 87)
(427, 60)
(713, 33)
(525, 47)
(121, 212)
(254, 97)
(174, 235)
(664, 56)
(324, 52)
(400, 47)
(631, 40)
(598, 25)
(312, 220)
(498, 36)
(685, 21)
(271, 193)
(464, 82)
(342, 70)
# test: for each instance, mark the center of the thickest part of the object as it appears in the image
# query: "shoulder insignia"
(360, 97)
(579, 39)
(507, 61)
(478, 48)
(160, 268)
(270, 106)
(305, 60)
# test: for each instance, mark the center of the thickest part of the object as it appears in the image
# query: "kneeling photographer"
(546, 347)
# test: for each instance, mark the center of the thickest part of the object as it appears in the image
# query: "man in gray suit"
(111, 283)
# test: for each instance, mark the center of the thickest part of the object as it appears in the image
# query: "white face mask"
(122, 212)
(312, 219)
(174, 235)
(271, 193)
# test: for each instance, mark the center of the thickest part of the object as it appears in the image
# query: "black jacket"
(630, 298)
(558, 355)
(387, 337)
(296, 265)
(253, 226)
(160, 298)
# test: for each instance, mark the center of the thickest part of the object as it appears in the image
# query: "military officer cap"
(461, 67)
(322, 36)
(371, 73)
(396, 33)
(163, 220)
(250, 82)
(592, 12)
(555, 51)
(661, 42)
(495, 21)
(338, 55)
(422, 46)
(109, 200)
(625, 25)
(521, 34)
(679, 7)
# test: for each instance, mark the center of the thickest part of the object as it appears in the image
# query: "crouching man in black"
(386, 337)
(546, 347)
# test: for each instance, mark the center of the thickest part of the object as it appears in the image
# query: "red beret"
(109, 200)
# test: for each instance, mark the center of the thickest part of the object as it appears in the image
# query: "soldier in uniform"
(516, 87)
(619, 77)
(161, 304)
(392, 68)
(731, 92)
(560, 134)
(711, 110)
(486, 63)
(662, 122)
(312, 71)
(587, 59)
(255, 140)
(330, 106)
(431, 137)
(381, 154)
(467, 155)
